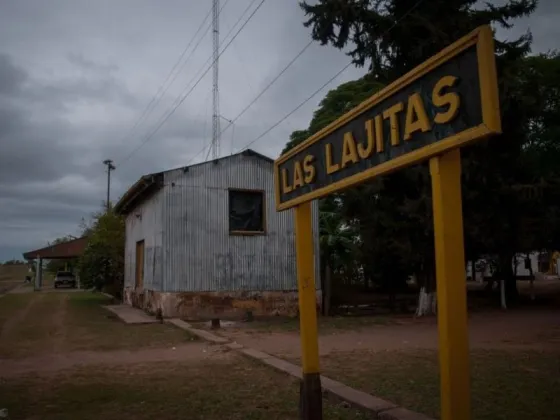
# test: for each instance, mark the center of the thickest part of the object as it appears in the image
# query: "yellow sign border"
(483, 38)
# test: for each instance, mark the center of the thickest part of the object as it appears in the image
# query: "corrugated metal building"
(206, 240)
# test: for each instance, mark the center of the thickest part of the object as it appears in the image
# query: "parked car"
(64, 278)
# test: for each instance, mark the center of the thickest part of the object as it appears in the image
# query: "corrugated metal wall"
(200, 254)
(144, 223)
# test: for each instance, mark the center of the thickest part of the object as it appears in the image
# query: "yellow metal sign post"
(445, 103)
(310, 389)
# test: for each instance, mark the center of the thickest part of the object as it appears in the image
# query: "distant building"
(206, 240)
(525, 266)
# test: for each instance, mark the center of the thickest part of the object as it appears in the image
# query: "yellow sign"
(446, 102)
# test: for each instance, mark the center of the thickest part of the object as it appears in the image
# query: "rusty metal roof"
(71, 249)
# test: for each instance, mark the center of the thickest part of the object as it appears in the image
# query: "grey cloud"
(11, 76)
(80, 61)
(75, 75)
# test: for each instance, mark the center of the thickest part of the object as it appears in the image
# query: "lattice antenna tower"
(215, 91)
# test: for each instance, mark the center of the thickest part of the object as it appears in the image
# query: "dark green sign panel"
(444, 103)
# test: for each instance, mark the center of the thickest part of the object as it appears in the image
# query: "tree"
(339, 253)
(102, 264)
(518, 179)
(392, 37)
(338, 248)
(336, 102)
(14, 262)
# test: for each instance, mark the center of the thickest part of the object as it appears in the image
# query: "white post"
(37, 271)
(503, 293)
(40, 273)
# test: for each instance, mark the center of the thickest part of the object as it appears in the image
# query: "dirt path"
(498, 330)
(19, 317)
(58, 336)
(192, 352)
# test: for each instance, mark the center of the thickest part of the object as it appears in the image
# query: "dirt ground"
(62, 356)
(52, 342)
(69, 334)
(514, 330)
(531, 327)
(514, 358)
(11, 276)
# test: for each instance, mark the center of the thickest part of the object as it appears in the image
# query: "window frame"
(264, 221)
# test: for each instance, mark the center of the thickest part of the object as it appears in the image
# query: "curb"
(382, 409)
(205, 335)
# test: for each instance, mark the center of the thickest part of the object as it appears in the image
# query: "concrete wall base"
(208, 305)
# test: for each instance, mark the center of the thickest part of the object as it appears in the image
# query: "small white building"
(206, 240)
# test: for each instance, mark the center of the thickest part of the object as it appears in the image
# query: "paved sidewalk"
(130, 315)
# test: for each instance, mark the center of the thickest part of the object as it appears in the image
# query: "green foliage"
(13, 262)
(336, 103)
(511, 183)
(395, 36)
(102, 264)
(338, 238)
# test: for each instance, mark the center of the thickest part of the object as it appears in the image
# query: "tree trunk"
(510, 282)
(531, 278)
(427, 302)
(473, 270)
(503, 294)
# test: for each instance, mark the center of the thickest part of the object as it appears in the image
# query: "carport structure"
(63, 251)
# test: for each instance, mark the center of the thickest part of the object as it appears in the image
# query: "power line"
(155, 99)
(276, 124)
(285, 117)
(299, 54)
(302, 103)
(292, 61)
(174, 108)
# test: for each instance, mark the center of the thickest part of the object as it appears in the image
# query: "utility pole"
(110, 167)
(215, 93)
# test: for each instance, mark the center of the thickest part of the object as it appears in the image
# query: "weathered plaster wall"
(224, 305)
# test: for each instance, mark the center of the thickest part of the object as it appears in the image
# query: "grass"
(13, 273)
(92, 327)
(62, 322)
(11, 276)
(505, 385)
(240, 390)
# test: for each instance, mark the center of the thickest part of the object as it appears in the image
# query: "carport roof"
(70, 249)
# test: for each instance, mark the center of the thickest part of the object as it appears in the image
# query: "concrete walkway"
(130, 315)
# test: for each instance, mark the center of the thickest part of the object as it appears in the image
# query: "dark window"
(246, 211)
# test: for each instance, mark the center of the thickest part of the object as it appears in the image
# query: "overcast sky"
(76, 75)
